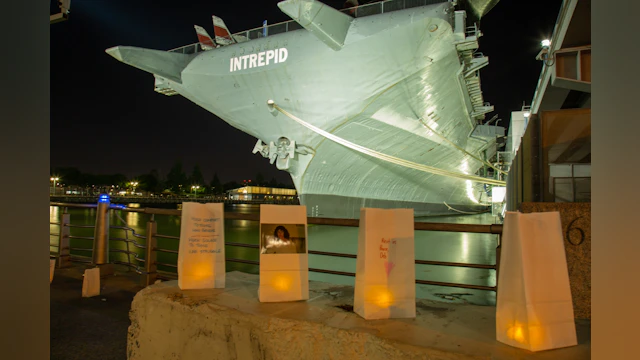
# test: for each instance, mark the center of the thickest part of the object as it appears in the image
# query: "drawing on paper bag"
(385, 272)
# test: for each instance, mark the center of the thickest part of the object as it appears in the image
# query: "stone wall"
(230, 323)
(576, 229)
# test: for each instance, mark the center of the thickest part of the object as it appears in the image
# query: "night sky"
(106, 118)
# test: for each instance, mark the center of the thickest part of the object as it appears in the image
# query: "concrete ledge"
(230, 323)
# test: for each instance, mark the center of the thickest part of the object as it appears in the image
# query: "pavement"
(97, 328)
(90, 328)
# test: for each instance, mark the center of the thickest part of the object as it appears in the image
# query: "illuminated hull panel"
(396, 73)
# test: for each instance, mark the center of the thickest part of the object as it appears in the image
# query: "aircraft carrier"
(377, 105)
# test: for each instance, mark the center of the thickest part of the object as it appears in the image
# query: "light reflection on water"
(429, 245)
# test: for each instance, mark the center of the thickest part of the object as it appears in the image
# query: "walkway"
(90, 328)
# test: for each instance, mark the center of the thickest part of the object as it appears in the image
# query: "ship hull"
(393, 76)
(347, 207)
(393, 89)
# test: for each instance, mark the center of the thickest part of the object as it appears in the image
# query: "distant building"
(261, 193)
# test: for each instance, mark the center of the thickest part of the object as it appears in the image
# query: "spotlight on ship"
(527, 114)
(545, 43)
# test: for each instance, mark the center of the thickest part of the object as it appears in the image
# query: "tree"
(116, 179)
(87, 180)
(149, 182)
(196, 177)
(176, 178)
(259, 179)
(215, 186)
(70, 176)
(230, 186)
(159, 186)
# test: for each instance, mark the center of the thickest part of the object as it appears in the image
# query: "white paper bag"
(201, 262)
(284, 264)
(385, 266)
(91, 282)
(52, 266)
(534, 308)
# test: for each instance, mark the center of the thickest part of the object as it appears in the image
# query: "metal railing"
(83, 199)
(151, 249)
(292, 25)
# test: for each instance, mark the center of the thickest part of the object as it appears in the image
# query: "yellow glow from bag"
(516, 333)
(281, 282)
(202, 270)
(536, 338)
(381, 296)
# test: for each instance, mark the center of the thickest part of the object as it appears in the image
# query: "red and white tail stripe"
(203, 37)
(222, 33)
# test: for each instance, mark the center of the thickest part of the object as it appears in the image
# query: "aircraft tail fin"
(222, 33)
(163, 63)
(326, 23)
(203, 37)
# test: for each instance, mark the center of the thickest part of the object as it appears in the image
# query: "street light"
(54, 179)
(134, 184)
(195, 188)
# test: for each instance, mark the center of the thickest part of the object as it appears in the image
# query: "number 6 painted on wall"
(568, 234)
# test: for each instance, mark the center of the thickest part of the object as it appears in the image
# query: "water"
(429, 245)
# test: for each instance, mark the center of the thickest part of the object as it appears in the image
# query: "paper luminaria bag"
(534, 309)
(52, 265)
(385, 266)
(284, 265)
(201, 262)
(91, 282)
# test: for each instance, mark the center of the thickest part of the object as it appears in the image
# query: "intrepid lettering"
(260, 59)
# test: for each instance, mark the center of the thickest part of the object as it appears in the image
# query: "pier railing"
(147, 267)
(128, 199)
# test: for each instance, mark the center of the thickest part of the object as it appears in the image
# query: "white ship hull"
(396, 73)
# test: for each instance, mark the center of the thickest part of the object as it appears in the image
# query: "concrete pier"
(230, 323)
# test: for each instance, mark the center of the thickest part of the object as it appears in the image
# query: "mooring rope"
(461, 149)
(467, 212)
(385, 157)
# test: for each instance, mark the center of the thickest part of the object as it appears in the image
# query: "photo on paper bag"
(283, 239)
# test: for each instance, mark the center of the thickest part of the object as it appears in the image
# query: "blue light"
(104, 198)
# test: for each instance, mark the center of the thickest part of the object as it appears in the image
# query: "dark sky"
(106, 118)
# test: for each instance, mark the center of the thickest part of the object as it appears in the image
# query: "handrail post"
(64, 251)
(151, 257)
(498, 251)
(101, 235)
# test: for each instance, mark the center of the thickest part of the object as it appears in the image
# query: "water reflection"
(54, 214)
(133, 218)
(464, 256)
(243, 223)
(54, 240)
(429, 245)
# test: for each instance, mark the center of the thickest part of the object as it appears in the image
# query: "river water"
(429, 245)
